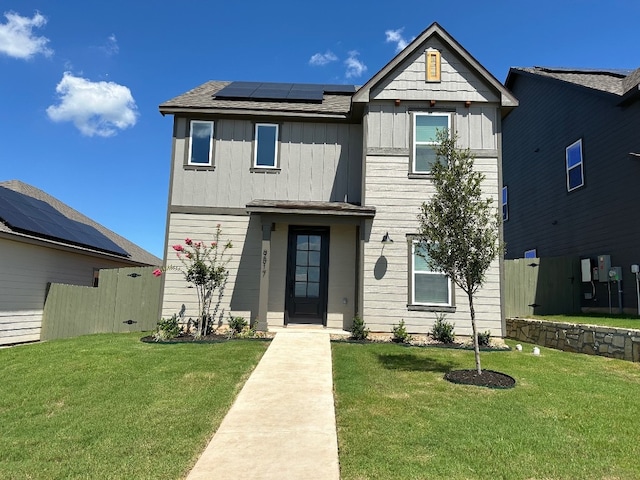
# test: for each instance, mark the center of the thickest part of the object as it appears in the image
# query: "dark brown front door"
(307, 275)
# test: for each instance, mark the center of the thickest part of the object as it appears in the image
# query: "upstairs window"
(531, 253)
(575, 172)
(428, 286)
(266, 146)
(425, 126)
(200, 143)
(505, 204)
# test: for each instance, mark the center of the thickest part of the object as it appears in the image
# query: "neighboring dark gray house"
(309, 180)
(44, 241)
(571, 168)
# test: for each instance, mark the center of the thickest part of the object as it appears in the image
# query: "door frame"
(324, 232)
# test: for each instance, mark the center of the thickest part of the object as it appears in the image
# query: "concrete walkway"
(282, 425)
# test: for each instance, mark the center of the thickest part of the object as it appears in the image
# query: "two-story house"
(571, 160)
(319, 188)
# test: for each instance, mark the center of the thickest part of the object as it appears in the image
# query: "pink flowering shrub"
(206, 268)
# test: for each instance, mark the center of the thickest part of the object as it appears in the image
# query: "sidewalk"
(282, 425)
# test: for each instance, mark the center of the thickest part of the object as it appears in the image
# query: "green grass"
(110, 406)
(570, 416)
(620, 321)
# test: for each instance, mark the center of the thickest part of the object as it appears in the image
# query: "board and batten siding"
(397, 199)
(458, 81)
(26, 271)
(389, 126)
(242, 290)
(317, 162)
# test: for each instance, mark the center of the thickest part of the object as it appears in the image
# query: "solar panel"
(30, 215)
(339, 88)
(306, 92)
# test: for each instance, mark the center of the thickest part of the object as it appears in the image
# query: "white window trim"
(275, 150)
(505, 203)
(415, 143)
(428, 272)
(579, 165)
(210, 163)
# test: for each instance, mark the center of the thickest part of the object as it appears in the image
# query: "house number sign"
(264, 262)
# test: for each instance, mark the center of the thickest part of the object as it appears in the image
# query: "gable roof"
(618, 82)
(203, 99)
(136, 255)
(507, 98)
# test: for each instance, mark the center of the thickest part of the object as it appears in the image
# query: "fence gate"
(541, 286)
(126, 300)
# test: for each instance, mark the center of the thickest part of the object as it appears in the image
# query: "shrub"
(400, 334)
(237, 324)
(359, 331)
(484, 338)
(442, 330)
(167, 329)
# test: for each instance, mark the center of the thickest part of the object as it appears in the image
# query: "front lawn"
(570, 416)
(110, 406)
(619, 321)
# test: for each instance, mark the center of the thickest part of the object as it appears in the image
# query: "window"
(200, 143)
(425, 126)
(575, 173)
(266, 147)
(531, 253)
(505, 205)
(432, 65)
(427, 286)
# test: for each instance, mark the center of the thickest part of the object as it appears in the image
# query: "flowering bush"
(204, 266)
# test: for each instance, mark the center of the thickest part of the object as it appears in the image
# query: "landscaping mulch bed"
(213, 338)
(464, 343)
(488, 378)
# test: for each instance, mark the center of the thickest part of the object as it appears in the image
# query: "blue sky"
(81, 81)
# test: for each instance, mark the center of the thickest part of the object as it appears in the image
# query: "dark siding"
(600, 218)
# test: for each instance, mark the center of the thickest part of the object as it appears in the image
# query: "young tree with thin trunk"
(459, 226)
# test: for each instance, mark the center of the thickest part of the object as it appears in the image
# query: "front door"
(307, 275)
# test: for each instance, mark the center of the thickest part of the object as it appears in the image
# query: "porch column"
(265, 260)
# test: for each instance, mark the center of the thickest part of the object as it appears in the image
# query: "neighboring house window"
(425, 127)
(505, 204)
(575, 172)
(433, 65)
(428, 287)
(200, 143)
(266, 146)
(531, 253)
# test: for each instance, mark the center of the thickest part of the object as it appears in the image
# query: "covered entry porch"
(311, 262)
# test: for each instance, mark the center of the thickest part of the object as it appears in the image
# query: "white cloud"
(320, 59)
(111, 46)
(395, 36)
(95, 108)
(17, 39)
(355, 68)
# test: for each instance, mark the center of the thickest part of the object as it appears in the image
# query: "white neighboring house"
(307, 180)
(44, 241)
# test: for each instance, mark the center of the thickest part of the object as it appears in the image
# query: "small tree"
(205, 266)
(459, 228)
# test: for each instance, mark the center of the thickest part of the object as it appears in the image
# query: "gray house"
(571, 166)
(307, 181)
(44, 241)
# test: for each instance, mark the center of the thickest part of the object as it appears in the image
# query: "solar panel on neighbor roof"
(281, 91)
(30, 215)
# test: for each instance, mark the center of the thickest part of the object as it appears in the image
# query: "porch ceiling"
(310, 208)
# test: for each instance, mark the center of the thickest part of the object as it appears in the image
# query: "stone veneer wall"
(590, 339)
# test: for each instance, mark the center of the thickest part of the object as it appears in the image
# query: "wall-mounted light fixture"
(397, 102)
(467, 103)
(386, 238)
(432, 103)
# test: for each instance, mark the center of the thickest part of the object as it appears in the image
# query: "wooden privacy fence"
(541, 286)
(126, 300)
